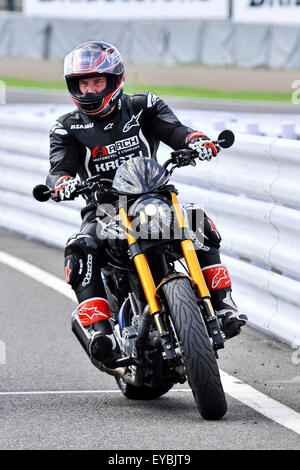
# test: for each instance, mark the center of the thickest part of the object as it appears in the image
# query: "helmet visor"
(93, 57)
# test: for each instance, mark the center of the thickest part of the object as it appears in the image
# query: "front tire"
(198, 356)
(133, 392)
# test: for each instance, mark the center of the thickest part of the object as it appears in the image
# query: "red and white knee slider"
(216, 277)
(93, 310)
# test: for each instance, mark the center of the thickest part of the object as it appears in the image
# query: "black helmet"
(88, 60)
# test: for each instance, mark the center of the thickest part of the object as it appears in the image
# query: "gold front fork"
(144, 272)
(191, 258)
(142, 268)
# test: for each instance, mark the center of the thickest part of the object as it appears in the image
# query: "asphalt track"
(52, 398)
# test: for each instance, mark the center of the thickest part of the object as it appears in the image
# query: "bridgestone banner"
(267, 11)
(129, 9)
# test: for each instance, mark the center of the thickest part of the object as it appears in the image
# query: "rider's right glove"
(64, 188)
(202, 144)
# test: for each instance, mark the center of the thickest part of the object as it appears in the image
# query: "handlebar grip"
(41, 192)
(225, 139)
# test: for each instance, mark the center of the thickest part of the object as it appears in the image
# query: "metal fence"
(11, 5)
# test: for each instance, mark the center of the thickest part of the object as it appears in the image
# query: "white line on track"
(237, 389)
(37, 274)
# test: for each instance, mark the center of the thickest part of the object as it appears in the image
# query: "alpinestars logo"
(109, 126)
(92, 312)
(134, 122)
(221, 275)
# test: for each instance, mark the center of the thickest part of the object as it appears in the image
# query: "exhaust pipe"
(85, 338)
(81, 333)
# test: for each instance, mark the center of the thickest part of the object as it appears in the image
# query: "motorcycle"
(163, 320)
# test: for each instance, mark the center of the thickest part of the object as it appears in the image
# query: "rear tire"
(198, 356)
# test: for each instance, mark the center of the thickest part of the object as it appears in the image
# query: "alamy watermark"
(296, 93)
(2, 353)
(152, 220)
(296, 354)
(2, 92)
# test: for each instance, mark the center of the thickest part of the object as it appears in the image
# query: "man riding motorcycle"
(108, 128)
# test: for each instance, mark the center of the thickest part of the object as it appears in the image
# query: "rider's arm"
(164, 124)
(64, 154)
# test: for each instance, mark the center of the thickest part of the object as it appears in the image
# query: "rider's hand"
(64, 188)
(202, 144)
(182, 157)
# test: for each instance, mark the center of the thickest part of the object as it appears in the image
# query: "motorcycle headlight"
(152, 218)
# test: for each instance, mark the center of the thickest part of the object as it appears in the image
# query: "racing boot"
(91, 326)
(219, 284)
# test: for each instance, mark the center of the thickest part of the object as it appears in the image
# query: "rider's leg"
(215, 273)
(90, 321)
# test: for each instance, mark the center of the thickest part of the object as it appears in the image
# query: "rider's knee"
(213, 237)
(80, 244)
(203, 227)
(80, 259)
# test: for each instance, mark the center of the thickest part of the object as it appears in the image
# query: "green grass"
(184, 92)
(16, 82)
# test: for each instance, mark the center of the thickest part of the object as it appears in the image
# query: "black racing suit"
(86, 146)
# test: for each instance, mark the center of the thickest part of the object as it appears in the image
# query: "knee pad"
(80, 254)
(81, 244)
(73, 269)
(212, 236)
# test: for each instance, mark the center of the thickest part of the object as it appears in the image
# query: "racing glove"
(64, 189)
(202, 144)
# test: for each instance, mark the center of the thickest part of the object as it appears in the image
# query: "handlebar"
(43, 193)
(185, 157)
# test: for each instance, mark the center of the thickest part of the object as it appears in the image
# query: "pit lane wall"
(251, 191)
(192, 40)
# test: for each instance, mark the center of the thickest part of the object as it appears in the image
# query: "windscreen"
(140, 175)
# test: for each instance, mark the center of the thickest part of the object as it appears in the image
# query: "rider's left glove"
(64, 189)
(203, 145)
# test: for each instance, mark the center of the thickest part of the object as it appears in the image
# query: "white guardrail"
(251, 191)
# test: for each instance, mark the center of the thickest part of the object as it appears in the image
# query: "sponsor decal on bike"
(216, 277)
